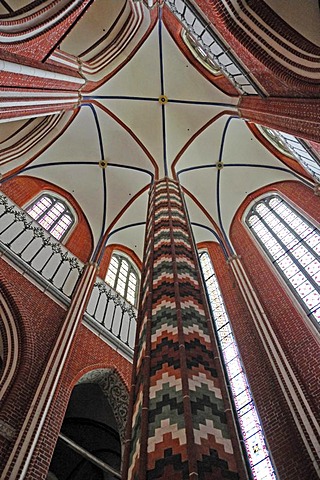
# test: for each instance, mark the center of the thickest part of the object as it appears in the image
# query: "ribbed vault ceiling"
(124, 123)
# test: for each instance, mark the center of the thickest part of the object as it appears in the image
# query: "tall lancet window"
(123, 277)
(53, 214)
(254, 441)
(293, 245)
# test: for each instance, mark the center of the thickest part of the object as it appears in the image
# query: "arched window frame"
(312, 232)
(275, 139)
(293, 147)
(56, 198)
(254, 441)
(114, 274)
(199, 54)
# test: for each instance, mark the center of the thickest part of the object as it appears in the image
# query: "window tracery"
(293, 245)
(122, 276)
(53, 214)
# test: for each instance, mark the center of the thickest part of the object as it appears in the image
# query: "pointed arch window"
(249, 422)
(123, 277)
(292, 243)
(53, 214)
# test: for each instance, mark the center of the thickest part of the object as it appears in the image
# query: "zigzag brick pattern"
(178, 423)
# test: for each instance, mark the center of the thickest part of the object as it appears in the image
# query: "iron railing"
(216, 50)
(113, 313)
(50, 263)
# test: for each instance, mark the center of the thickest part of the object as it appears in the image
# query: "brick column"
(180, 426)
(300, 117)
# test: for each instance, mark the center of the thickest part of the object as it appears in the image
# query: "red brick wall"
(88, 353)
(289, 454)
(23, 189)
(290, 324)
(21, 80)
(300, 117)
(41, 45)
(38, 321)
(275, 77)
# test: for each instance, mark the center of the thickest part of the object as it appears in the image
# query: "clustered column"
(180, 425)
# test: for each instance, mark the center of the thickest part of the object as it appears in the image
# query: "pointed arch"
(115, 391)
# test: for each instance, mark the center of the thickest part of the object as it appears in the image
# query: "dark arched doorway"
(89, 445)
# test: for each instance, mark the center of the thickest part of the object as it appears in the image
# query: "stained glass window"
(53, 214)
(293, 245)
(295, 148)
(257, 452)
(123, 277)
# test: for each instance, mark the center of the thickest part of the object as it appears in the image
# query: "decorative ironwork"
(116, 393)
(216, 52)
(249, 422)
(29, 244)
(37, 248)
(112, 311)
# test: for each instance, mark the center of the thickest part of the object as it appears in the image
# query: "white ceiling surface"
(85, 184)
(182, 81)
(144, 119)
(16, 4)
(26, 138)
(9, 128)
(78, 143)
(183, 121)
(119, 146)
(122, 186)
(132, 237)
(141, 78)
(235, 182)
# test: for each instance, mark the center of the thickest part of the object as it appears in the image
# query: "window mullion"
(45, 212)
(54, 223)
(299, 239)
(117, 273)
(127, 283)
(287, 252)
(50, 222)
